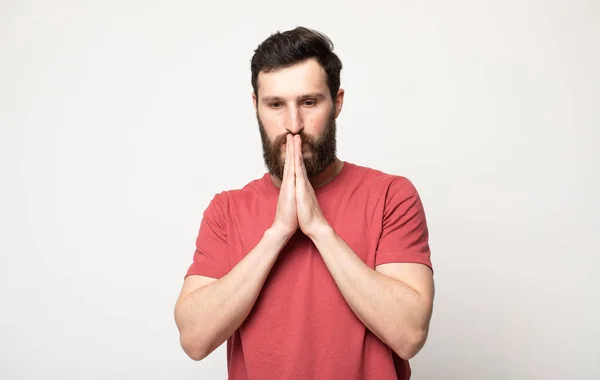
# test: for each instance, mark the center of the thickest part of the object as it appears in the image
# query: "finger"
(303, 166)
(288, 180)
(290, 143)
(297, 153)
(299, 161)
(286, 159)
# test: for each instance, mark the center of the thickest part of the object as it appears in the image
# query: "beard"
(323, 149)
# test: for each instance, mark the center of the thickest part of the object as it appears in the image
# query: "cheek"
(317, 123)
(272, 123)
(269, 124)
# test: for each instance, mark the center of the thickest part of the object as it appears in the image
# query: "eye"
(309, 102)
(275, 105)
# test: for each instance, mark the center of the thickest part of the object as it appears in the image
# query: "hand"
(286, 218)
(310, 217)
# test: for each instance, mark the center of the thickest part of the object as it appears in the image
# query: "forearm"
(209, 315)
(392, 310)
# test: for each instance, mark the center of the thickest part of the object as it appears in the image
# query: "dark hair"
(285, 49)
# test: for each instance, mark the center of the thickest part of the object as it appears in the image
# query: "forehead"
(302, 78)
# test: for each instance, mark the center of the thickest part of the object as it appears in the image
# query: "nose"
(295, 121)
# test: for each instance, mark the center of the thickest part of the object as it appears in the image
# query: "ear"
(339, 102)
(254, 100)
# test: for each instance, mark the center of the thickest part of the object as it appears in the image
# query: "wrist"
(278, 236)
(323, 231)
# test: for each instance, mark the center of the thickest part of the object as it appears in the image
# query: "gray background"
(119, 120)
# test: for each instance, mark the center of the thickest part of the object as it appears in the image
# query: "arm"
(208, 311)
(208, 314)
(395, 301)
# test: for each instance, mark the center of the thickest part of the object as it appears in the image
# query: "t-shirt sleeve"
(404, 237)
(211, 255)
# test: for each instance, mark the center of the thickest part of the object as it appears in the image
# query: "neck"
(320, 179)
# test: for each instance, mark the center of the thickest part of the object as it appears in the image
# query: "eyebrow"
(317, 95)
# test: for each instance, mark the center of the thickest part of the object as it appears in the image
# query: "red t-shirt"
(301, 327)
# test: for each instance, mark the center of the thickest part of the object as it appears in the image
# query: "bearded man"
(319, 269)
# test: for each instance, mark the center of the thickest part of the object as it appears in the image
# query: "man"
(321, 268)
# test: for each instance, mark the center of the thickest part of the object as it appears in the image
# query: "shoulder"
(397, 195)
(253, 189)
(378, 179)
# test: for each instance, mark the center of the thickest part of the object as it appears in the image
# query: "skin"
(294, 101)
(394, 300)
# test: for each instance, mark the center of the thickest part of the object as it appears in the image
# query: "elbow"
(192, 340)
(193, 347)
(196, 355)
(410, 344)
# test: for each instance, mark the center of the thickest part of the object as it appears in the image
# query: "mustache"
(306, 140)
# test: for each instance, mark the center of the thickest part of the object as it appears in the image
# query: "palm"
(286, 217)
(310, 216)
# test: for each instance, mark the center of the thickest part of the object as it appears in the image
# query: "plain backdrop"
(119, 121)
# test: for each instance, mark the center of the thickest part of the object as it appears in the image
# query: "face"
(297, 100)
